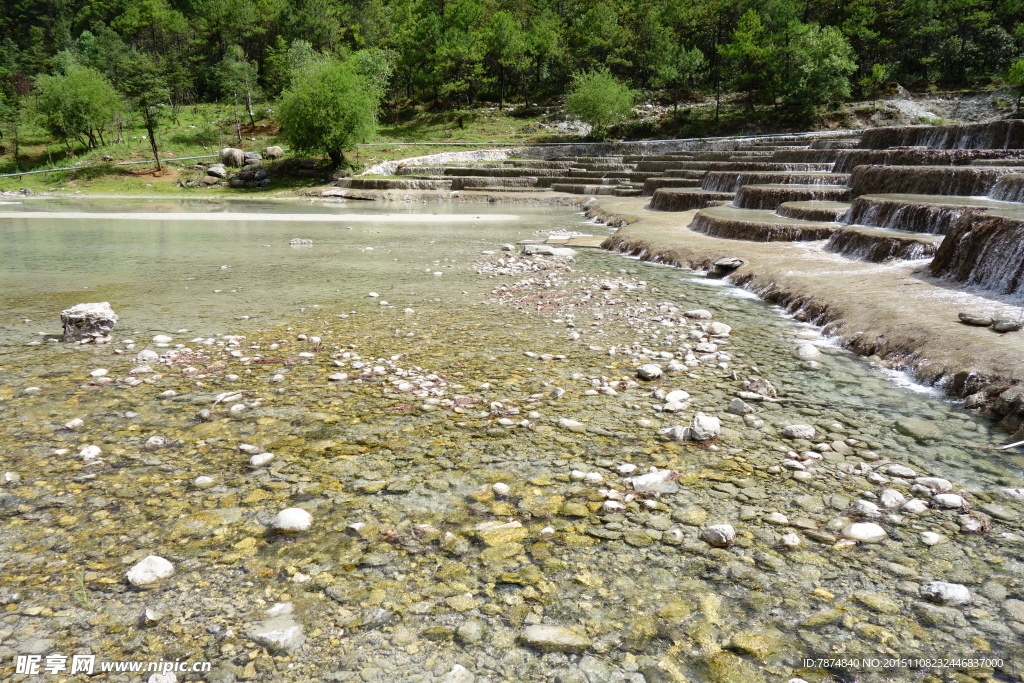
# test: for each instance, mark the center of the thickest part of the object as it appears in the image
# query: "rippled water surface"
(467, 370)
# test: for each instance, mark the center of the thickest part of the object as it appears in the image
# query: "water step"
(628, 192)
(1009, 188)
(621, 175)
(996, 135)
(769, 197)
(965, 181)
(758, 226)
(732, 181)
(691, 166)
(930, 214)
(498, 188)
(572, 188)
(394, 184)
(808, 156)
(652, 184)
(685, 198)
(879, 245)
(536, 163)
(984, 250)
(464, 183)
(824, 212)
(850, 159)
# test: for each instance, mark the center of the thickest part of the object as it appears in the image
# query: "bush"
(328, 108)
(599, 99)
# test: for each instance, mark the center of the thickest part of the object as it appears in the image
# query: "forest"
(458, 54)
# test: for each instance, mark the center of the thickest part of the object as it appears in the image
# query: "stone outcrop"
(88, 322)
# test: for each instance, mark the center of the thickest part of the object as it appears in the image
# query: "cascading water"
(969, 181)
(918, 156)
(769, 197)
(1009, 188)
(984, 250)
(879, 245)
(896, 214)
(996, 135)
(732, 181)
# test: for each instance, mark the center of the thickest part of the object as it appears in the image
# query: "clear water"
(393, 595)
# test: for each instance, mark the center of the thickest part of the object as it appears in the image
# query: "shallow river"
(460, 427)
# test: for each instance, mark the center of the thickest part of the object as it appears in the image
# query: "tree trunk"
(151, 131)
(336, 157)
(248, 107)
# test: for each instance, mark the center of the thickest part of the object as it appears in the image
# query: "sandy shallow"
(276, 217)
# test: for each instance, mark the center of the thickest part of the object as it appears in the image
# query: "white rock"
(74, 424)
(932, 538)
(790, 540)
(777, 518)
(649, 371)
(150, 571)
(459, 674)
(719, 535)
(260, 459)
(914, 506)
(614, 506)
(865, 508)
(571, 425)
(660, 481)
(626, 468)
(902, 471)
(99, 372)
(891, 498)
(677, 396)
(203, 482)
(719, 330)
(807, 352)
(935, 484)
(594, 478)
(738, 407)
(948, 500)
(799, 432)
(249, 448)
(705, 427)
(162, 339)
(292, 520)
(501, 489)
(866, 532)
(157, 441)
(698, 314)
(942, 593)
(90, 452)
(577, 475)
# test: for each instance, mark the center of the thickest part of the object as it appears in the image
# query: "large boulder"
(274, 152)
(230, 156)
(217, 170)
(86, 322)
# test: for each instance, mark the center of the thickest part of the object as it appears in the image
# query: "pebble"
(705, 427)
(805, 432)
(790, 540)
(161, 339)
(901, 471)
(74, 424)
(261, 459)
(892, 498)
(203, 482)
(501, 489)
(914, 506)
(99, 372)
(932, 538)
(807, 351)
(866, 532)
(950, 501)
(649, 371)
(90, 452)
(292, 520)
(150, 571)
(553, 638)
(719, 535)
(950, 594)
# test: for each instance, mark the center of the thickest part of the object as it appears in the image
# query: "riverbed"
(465, 427)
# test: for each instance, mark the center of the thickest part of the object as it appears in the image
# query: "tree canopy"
(328, 108)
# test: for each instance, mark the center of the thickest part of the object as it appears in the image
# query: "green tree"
(145, 86)
(543, 43)
(77, 102)
(598, 98)
(676, 69)
(237, 77)
(507, 49)
(1016, 79)
(328, 108)
(749, 55)
(813, 67)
